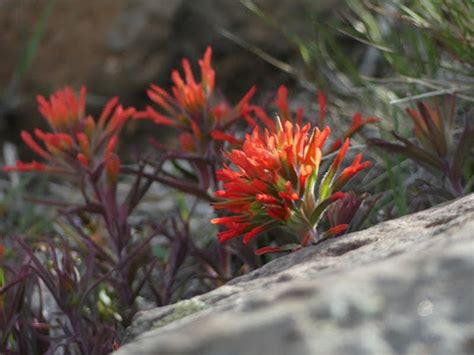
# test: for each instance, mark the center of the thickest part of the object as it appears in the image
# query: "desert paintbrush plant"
(115, 263)
(341, 208)
(274, 183)
(437, 147)
(204, 122)
(83, 150)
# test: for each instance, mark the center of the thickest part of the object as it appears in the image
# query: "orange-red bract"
(271, 182)
(75, 141)
(194, 109)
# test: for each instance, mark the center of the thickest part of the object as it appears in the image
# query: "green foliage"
(398, 47)
(385, 54)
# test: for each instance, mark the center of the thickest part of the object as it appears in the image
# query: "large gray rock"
(405, 286)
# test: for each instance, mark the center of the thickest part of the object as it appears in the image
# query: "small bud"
(109, 150)
(83, 160)
(112, 168)
(83, 143)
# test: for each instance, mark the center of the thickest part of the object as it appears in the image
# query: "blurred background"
(363, 52)
(119, 47)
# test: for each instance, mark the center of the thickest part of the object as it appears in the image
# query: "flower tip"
(326, 131)
(321, 97)
(147, 114)
(112, 168)
(340, 228)
(82, 96)
(282, 90)
(357, 118)
(220, 193)
(41, 100)
(26, 167)
(337, 196)
(208, 52)
(140, 115)
(250, 93)
(111, 145)
(322, 107)
(24, 134)
(267, 250)
(83, 160)
(151, 91)
(222, 240)
(342, 152)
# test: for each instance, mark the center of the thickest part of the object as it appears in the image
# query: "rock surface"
(405, 286)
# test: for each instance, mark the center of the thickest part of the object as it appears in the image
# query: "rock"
(405, 286)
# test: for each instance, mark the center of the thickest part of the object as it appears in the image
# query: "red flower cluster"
(194, 109)
(274, 183)
(76, 140)
(358, 122)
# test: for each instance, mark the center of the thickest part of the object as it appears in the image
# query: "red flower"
(358, 122)
(76, 141)
(194, 108)
(340, 228)
(322, 108)
(188, 93)
(112, 167)
(272, 183)
(63, 109)
(20, 166)
(221, 136)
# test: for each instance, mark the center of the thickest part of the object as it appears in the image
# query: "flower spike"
(273, 184)
(195, 110)
(75, 141)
